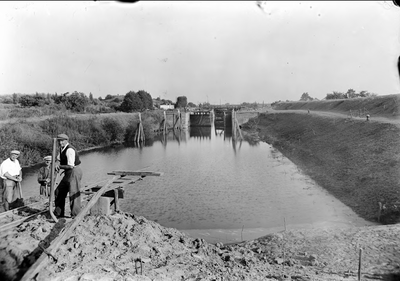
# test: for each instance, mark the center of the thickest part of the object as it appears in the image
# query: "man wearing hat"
(11, 174)
(44, 177)
(71, 182)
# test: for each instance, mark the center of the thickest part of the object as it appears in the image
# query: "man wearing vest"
(71, 182)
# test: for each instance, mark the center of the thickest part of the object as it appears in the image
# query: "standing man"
(11, 174)
(71, 182)
(44, 177)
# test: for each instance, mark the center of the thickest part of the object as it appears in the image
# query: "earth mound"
(125, 247)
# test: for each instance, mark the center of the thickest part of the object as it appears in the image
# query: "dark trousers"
(71, 183)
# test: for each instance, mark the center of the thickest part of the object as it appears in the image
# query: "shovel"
(20, 189)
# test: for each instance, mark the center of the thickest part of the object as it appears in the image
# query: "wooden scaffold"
(175, 119)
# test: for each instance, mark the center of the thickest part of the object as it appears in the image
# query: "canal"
(213, 187)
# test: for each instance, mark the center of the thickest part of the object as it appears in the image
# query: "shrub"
(114, 130)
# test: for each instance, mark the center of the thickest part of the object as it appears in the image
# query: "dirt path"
(332, 114)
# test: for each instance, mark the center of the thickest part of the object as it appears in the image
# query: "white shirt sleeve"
(8, 166)
(71, 157)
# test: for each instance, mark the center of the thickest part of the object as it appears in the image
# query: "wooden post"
(52, 178)
(173, 121)
(233, 125)
(116, 200)
(379, 211)
(178, 117)
(139, 134)
(284, 222)
(238, 128)
(165, 122)
(138, 129)
(359, 265)
(180, 120)
(224, 120)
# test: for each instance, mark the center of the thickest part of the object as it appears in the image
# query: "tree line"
(81, 103)
(350, 94)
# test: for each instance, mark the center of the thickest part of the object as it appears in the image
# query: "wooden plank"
(13, 211)
(65, 233)
(135, 173)
(18, 222)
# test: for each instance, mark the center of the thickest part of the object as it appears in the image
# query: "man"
(11, 174)
(44, 177)
(71, 182)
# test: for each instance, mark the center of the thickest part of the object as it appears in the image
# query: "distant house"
(167, 106)
(156, 103)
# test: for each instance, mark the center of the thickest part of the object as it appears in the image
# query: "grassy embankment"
(385, 106)
(356, 161)
(86, 131)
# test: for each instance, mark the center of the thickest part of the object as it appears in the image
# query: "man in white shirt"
(11, 174)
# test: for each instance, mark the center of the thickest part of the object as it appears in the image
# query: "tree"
(15, 98)
(181, 102)
(351, 94)
(131, 102)
(91, 97)
(76, 101)
(335, 95)
(30, 100)
(146, 99)
(306, 97)
(27, 100)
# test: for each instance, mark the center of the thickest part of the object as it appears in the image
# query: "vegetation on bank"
(385, 106)
(355, 160)
(35, 139)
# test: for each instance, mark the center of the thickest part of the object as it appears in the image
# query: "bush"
(114, 130)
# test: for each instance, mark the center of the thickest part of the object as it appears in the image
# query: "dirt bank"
(355, 160)
(108, 248)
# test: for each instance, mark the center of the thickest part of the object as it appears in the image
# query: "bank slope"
(356, 161)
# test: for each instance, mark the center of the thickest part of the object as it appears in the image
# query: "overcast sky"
(221, 52)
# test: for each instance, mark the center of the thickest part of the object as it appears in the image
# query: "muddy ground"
(109, 248)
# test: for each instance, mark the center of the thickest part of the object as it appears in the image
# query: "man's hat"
(47, 158)
(62, 137)
(15, 152)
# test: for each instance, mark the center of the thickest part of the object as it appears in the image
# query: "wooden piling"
(139, 134)
(359, 265)
(165, 123)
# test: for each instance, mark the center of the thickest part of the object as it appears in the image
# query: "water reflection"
(200, 132)
(172, 135)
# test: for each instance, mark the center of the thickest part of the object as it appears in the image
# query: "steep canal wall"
(356, 161)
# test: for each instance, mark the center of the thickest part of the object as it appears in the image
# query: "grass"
(385, 106)
(34, 138)
(356, 161)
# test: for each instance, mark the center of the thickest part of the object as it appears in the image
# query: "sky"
(217, 52)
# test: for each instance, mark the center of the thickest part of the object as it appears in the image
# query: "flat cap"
(15, 152)
(62, 137)
(47, 158)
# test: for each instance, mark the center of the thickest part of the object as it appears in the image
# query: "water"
(215, 188)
